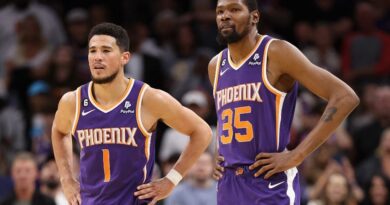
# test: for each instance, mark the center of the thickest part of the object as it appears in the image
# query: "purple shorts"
(238, 186)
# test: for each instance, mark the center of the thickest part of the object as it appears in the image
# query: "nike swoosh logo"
(271, 186)
(224, 71)
(86, 113)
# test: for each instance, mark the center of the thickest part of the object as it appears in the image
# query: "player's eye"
(234, 10)
(92, 51)
(106, 51)
(219, 12)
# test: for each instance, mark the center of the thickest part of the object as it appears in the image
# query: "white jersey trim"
(77, 113)
(217, 69)
(291, 174)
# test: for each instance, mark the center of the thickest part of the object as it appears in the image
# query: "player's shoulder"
(213, 62)
(68, 100)
(69, 96)
(154, 95)
(279, 47)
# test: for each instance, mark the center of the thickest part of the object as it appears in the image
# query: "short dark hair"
(113, 30)
(251, 4)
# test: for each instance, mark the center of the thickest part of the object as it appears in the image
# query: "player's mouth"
(226, 27)
(98, 66)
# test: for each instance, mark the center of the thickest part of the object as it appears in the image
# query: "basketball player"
(255, 88)
(112, 119)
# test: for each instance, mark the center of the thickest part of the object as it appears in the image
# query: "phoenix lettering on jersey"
(97, 136)
(242, 92)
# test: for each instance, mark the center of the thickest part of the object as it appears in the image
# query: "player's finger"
(220, 159)
(154, 201)
(270, 173)
(263, 155)
(220, 175)
(78, 198)
(143, 186)
(143, 191)
(147, 196)
(74, 201)
(217, 175)
(263, 170)
(259, 163)
(220, 168)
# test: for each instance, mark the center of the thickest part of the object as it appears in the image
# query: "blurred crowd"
(43, 54)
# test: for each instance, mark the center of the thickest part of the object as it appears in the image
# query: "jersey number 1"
(238, 124)
(106, 165)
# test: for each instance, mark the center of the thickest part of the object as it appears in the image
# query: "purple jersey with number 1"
(117, 153)
(253, 117)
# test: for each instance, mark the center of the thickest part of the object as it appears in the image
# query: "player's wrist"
(174, 176)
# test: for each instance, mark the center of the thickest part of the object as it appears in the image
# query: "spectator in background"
(62, 73)
(98, 13)
(199, 188)
(42, 115)
(78, 26)
(198, 76)
(323, 53)
(336, 192)
(276, 18)
(366, 139)
(167, 164)
(143, 66)
(175, 142)
(378, 163)
(24, 173)
(12, 134)
(16, 10)
(161, 46)
(382, 8)
(364, 114)
(366, 51)
(336, 185)
(377, 191)
(50, 182)
(303, 34)
(31, 51)
(185, 53)
(202, 17)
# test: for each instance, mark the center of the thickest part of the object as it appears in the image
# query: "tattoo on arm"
(328, 115)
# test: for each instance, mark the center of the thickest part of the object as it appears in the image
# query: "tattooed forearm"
(328, 115)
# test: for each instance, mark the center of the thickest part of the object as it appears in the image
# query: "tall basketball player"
(255, 88)
(113, 118)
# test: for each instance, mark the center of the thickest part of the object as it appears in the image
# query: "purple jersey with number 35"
(253, 117)
(117, 153)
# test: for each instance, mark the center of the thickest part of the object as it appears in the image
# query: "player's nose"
(225, 16)
(98, 56)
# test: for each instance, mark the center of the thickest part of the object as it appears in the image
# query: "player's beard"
(233, 37)
(105, 80)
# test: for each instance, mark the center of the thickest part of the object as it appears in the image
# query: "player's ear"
(255, 17)
(125, 57)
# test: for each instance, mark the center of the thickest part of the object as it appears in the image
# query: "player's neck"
(239, 50)
(108, 93)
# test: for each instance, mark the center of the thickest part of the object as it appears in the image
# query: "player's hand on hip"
(218, 170)
(71, 188)
(272, 163)
(156, 190)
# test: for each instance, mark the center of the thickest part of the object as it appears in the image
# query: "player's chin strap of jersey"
(174, 176)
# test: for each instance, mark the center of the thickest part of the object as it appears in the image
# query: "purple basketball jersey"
(117, 153)
(253, 117)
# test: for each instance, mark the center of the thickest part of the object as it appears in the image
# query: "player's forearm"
(62, 148)
(338, 108)
(199, 140)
